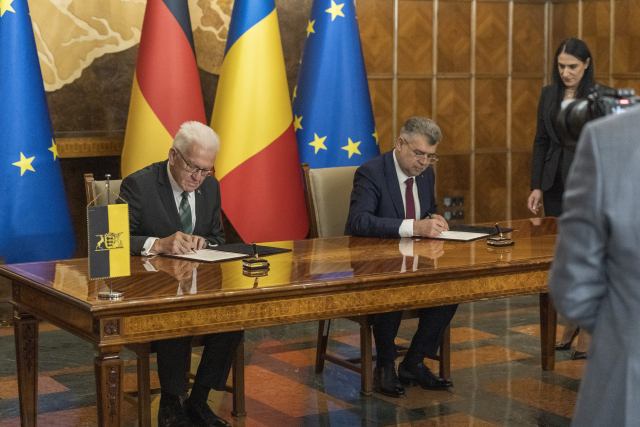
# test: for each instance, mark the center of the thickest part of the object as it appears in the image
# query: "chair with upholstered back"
(328, 195)
(142, 398)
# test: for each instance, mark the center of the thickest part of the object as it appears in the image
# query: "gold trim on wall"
(97, 146)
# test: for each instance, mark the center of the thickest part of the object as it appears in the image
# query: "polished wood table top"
(319, 279)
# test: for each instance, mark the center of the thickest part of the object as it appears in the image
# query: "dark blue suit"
(376, 210)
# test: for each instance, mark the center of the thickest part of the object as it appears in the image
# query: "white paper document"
(210, 255)
(461, 236)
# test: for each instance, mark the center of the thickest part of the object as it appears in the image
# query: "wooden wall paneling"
(565, 24)
(414, 99)
(453, 114)
(525, 94)
(596, 33)
(491, 113)
(520, 184)
(492, 37)
(382, 101)
(628, 83)
(375, 20)
(626, 50)
(490, 170)
(528, 38)
(454, 34)
(453, 180)
(415, 37)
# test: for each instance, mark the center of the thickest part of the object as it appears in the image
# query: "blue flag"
(333, 118)
(35, 224)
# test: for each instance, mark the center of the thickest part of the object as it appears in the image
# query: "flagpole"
(111, 294)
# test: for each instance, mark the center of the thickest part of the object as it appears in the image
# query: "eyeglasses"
(427, 158)
(193, 168)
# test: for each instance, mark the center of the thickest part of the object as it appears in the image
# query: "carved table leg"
(109, 373)
(548, 323)
(26, 335)
(366, 355)
(238, 382)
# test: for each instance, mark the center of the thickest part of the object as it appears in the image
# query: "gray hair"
(196, 132)
(424, 127)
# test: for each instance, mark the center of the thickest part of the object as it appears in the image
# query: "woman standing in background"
(572, 78)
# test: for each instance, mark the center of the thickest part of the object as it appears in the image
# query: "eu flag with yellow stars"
(35, 224)
(333, 118)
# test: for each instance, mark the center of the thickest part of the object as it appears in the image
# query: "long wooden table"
(320, 279)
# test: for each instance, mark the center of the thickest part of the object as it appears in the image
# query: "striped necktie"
(185, 214)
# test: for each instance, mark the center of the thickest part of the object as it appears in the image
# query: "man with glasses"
(174, 208)
(393, 197)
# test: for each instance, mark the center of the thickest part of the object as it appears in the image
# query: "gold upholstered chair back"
(328, 192)
(93, 188)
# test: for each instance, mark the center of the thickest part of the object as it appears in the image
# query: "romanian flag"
(258, 165)
(35, 224)
(108, 231)
(331, 102)
(166, 85)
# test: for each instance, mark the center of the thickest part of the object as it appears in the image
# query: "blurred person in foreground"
(595, 275)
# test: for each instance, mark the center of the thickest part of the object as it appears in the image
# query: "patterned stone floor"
(495, 362)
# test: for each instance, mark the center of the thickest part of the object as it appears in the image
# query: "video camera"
(602, 100)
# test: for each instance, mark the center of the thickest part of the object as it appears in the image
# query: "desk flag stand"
(108, 233)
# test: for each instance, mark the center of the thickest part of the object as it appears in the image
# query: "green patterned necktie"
(185, 214)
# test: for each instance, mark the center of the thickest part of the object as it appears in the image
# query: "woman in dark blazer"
(572, 78)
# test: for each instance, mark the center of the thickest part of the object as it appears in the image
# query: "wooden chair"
(142, 397)
(327, 193)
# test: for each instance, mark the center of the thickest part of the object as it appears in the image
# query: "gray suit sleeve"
(578, 280)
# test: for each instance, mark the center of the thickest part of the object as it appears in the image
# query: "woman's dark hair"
(579, 49)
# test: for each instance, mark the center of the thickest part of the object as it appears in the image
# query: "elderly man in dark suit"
(174, 208)
(393, 196)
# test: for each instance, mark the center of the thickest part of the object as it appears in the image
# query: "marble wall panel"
(492, 37)
(525, 94)
(490, 174)
(528, 38)
(596, 33)
(491, 113)
(375, 19)
(415, 37)
(454, 37)
(382, 101)
(626, 49)
(414, 99)
(520, 184)
(454, 114)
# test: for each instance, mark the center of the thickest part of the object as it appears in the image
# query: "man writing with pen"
(174, 208)
(393, 197)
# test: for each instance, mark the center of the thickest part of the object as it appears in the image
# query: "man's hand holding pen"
(178, 243)
(430, 227)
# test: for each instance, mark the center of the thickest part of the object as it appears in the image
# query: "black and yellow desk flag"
(108, 241)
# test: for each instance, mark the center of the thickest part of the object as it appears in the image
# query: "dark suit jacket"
(153, 212)
(547, 147)
(376, 208)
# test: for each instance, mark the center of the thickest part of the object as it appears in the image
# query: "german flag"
(108, 241)
(258, 165)
(166, 85)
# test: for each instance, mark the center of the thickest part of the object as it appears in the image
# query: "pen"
(429, 215)
(498, 228)
(255, 250)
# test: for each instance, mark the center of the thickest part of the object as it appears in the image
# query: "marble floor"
(495, 368)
